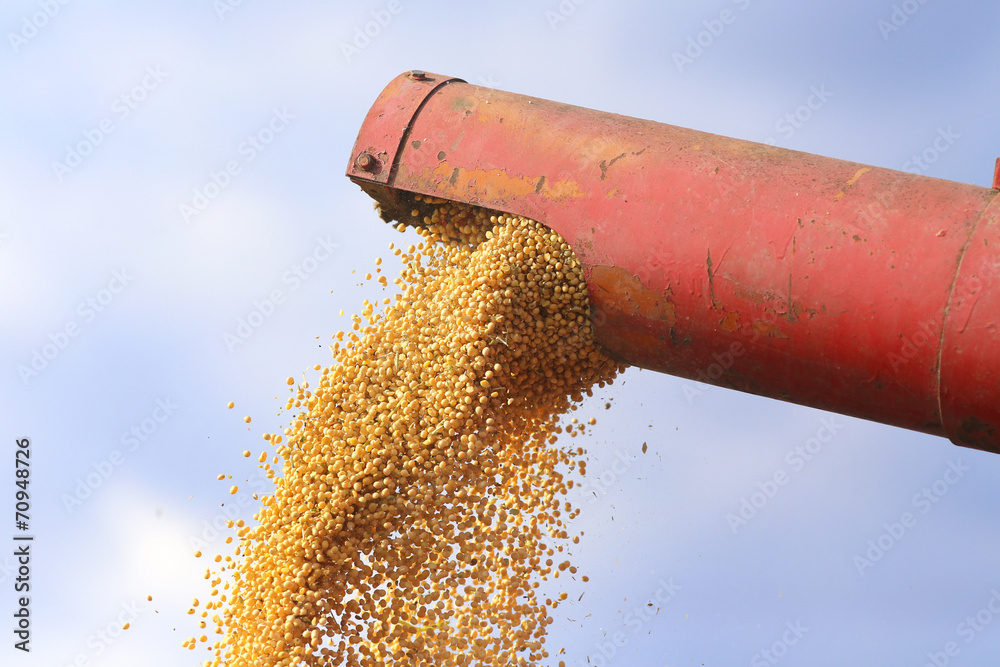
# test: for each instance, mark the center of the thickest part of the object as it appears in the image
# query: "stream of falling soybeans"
(419, 491)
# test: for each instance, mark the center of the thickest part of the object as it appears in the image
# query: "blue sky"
(133, 304)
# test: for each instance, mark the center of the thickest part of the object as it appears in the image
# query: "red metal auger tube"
(851, 288)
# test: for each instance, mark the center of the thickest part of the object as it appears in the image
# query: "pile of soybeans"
(420, 497)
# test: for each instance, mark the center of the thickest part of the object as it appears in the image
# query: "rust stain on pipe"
(616, 285)
(500, 183)
(858, 174)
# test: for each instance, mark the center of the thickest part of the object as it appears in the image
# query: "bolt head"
(365, 161)
(418, 75)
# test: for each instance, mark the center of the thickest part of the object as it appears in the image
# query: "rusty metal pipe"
(846, 287)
